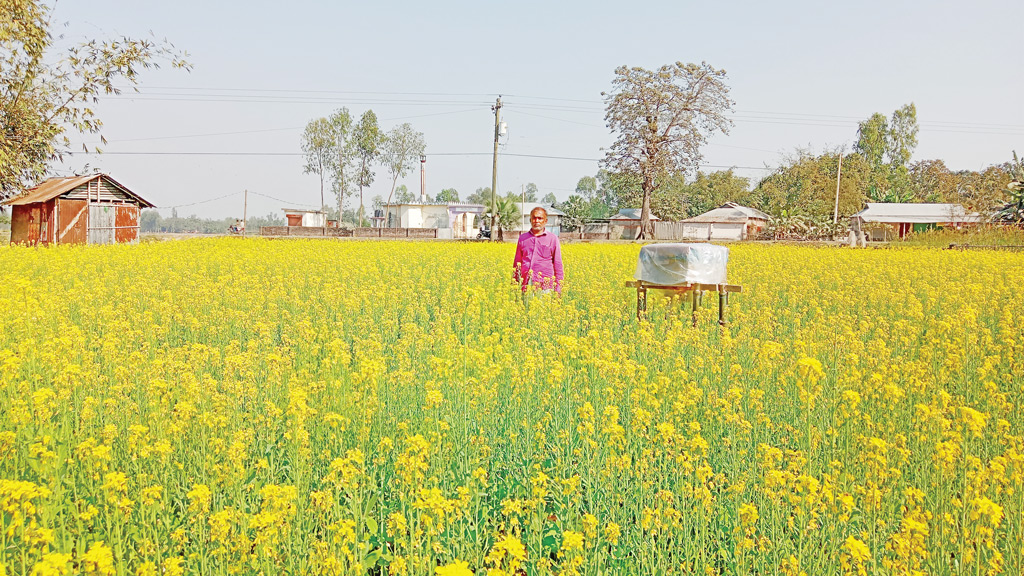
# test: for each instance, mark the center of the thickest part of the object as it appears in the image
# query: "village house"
(305, 218)
(881, 221)
(93, 209)
(729, 221)
(452, 219)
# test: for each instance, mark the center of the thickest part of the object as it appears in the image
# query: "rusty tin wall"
(32, 224)
(73, 219)
(126, 224)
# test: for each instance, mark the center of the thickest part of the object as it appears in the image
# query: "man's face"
(538, 220)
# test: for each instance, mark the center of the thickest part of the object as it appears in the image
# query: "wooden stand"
(696, 291)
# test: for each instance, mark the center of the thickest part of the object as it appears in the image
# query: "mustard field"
(234, 406)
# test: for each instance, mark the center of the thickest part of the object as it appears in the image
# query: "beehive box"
(677, 264)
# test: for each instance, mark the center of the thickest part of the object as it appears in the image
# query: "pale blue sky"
(802, 75)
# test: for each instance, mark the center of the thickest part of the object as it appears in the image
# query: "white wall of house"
(317, 219)
(713, 231)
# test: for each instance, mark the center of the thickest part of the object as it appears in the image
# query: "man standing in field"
(538, 261)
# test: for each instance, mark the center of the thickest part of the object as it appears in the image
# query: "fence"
(321, 232)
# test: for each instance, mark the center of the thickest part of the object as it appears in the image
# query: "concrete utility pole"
(494, 167)
(423, 178)
(245, 212)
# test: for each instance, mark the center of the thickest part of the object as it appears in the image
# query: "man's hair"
(539, 209)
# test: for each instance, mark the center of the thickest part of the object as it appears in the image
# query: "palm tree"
(1013, 211)
(506, 215)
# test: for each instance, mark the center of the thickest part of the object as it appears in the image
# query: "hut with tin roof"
(92, 209)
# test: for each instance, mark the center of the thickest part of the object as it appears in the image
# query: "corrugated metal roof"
(630, 214)
(529, 206)
(921, 213)
(729, 212)
(54, 187)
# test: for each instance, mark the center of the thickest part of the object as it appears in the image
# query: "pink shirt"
(538, 261)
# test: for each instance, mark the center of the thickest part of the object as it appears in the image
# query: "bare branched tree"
(662, 118)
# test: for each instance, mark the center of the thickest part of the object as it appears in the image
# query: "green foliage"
(480, 196)
(619, 190)
(806, 185)
(402, 195)
(343, 173)
(1013, 211)
(661, 119)
(506, 215)
(983, 192)
(586, 187)
(45, 97)
(576, 210)
(366, 139)
(887, 146)
(401, 149)
(448, 195)
(531, 192)
(790, 226)
(678, 199)
(318, 144)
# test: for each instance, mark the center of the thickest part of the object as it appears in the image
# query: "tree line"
(344, 154)
(877, 169)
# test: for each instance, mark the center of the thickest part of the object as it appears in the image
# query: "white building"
(452, 220)
(729, 221)
(312, 218)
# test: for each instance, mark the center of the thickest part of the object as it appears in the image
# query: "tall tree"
(343, 175)
(366, 137)
(662, 118)
(480, 196)
(576, 210)
(44, 97)
(586, 187)
(888, 145)
(318, 143)
(619, 190)
(549, 199)
(806, 185)
(1013, 210)
(402, 195)
(530, 191)
(448, 195)
(711, 190)
(506, 215)
(401, 148)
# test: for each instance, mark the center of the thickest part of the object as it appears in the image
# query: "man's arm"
(556, 262)
(517, 263)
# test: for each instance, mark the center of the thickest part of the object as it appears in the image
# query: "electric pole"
(839, 174)
(494, 167)
(522, 209)
(245, 212)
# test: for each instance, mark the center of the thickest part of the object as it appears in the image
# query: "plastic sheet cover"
(675, 264)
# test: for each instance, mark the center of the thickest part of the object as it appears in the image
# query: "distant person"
(538, 262)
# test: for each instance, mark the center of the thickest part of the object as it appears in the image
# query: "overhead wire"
(202, 201)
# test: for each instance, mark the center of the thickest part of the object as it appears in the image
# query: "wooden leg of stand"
(641, 302)
(722, 302)
(696, 299)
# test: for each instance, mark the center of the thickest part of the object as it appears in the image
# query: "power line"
(283, 201)
(509, 154)
(202, 201)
